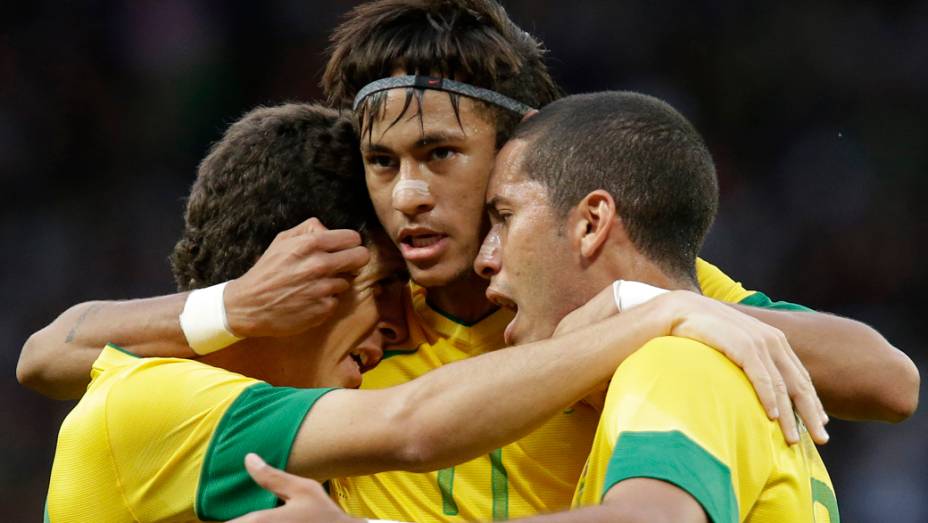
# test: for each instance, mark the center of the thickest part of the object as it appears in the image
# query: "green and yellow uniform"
(534, 475)
(164, 439)
(679, 411)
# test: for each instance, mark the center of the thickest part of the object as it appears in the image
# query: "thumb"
(267, 476)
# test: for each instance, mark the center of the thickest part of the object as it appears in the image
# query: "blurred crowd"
(815, 114)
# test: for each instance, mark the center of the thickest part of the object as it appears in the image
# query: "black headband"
(441, 84)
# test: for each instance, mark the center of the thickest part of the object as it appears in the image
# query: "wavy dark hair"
(273, 169)
(473, 41)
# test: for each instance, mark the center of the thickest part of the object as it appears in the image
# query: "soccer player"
(577, 200)
(157, 439)
(619, 186)
(428, 146)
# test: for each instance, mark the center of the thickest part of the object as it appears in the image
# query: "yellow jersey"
(679, 411)
(536, 474)
(164, 439)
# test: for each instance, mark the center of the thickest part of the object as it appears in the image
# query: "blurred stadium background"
(815, 113)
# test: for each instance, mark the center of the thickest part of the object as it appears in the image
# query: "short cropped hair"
(473, 41)
(644, 153)
(273, 169)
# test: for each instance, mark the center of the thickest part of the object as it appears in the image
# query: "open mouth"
(365, 359)
(422, 244)
(426, 240)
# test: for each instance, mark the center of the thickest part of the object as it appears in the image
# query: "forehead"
(406, 116)
(508, 176)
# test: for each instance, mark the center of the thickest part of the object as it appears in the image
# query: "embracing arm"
(292, 287)
(470, 407)
(56, 360)
(858, 374)
(637, 500)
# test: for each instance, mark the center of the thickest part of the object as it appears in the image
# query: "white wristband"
(204, 320)
(630, 294)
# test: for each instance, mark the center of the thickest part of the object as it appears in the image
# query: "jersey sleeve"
(179, 431)
(678, 411)
(719, 286)
(264, 420)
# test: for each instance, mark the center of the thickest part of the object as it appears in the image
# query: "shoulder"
(672, 354)
(682, 372)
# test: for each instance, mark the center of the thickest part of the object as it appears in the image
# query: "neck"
(639, 268)
(464, 298)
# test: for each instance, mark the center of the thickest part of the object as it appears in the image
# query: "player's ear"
(596, 216)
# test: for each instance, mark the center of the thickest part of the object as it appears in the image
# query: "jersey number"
(499, 483)
(824, 496)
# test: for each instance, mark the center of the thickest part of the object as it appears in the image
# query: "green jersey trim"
(122, 350)
(759, 299)
(675, 458)
(387, 354)
(262, 419)
(455, 319)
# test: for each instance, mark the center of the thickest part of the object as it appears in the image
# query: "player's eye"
(498, 217)
(380, 161)
(442, 153)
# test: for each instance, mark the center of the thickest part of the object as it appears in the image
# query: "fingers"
(759, 373)
(270, 478)
(347, 261)
(808, 379)
(787, 419)
(765, 356)
(316, 236)
(310, 226)
(335, 240)
(802, 392)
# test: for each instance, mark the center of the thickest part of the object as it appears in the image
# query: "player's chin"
(444, 271)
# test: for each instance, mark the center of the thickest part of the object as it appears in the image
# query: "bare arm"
(858, 374)
(637, 500)
(470, 407)
(56, 360)
(292, 287)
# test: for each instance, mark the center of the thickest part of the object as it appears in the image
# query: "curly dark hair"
(273, 169)
(474, 41)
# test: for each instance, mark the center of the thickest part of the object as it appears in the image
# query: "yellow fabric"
(541, 469)
(133, 447)
(717, 285)
(676, 384)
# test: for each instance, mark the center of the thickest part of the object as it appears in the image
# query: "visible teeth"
(425, 241)
(363, 358)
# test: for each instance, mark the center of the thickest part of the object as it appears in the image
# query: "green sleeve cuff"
(675, 458)
(265, 420)
(759, 299)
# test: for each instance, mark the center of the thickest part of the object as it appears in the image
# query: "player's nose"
(488, 262)
(411, 194)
